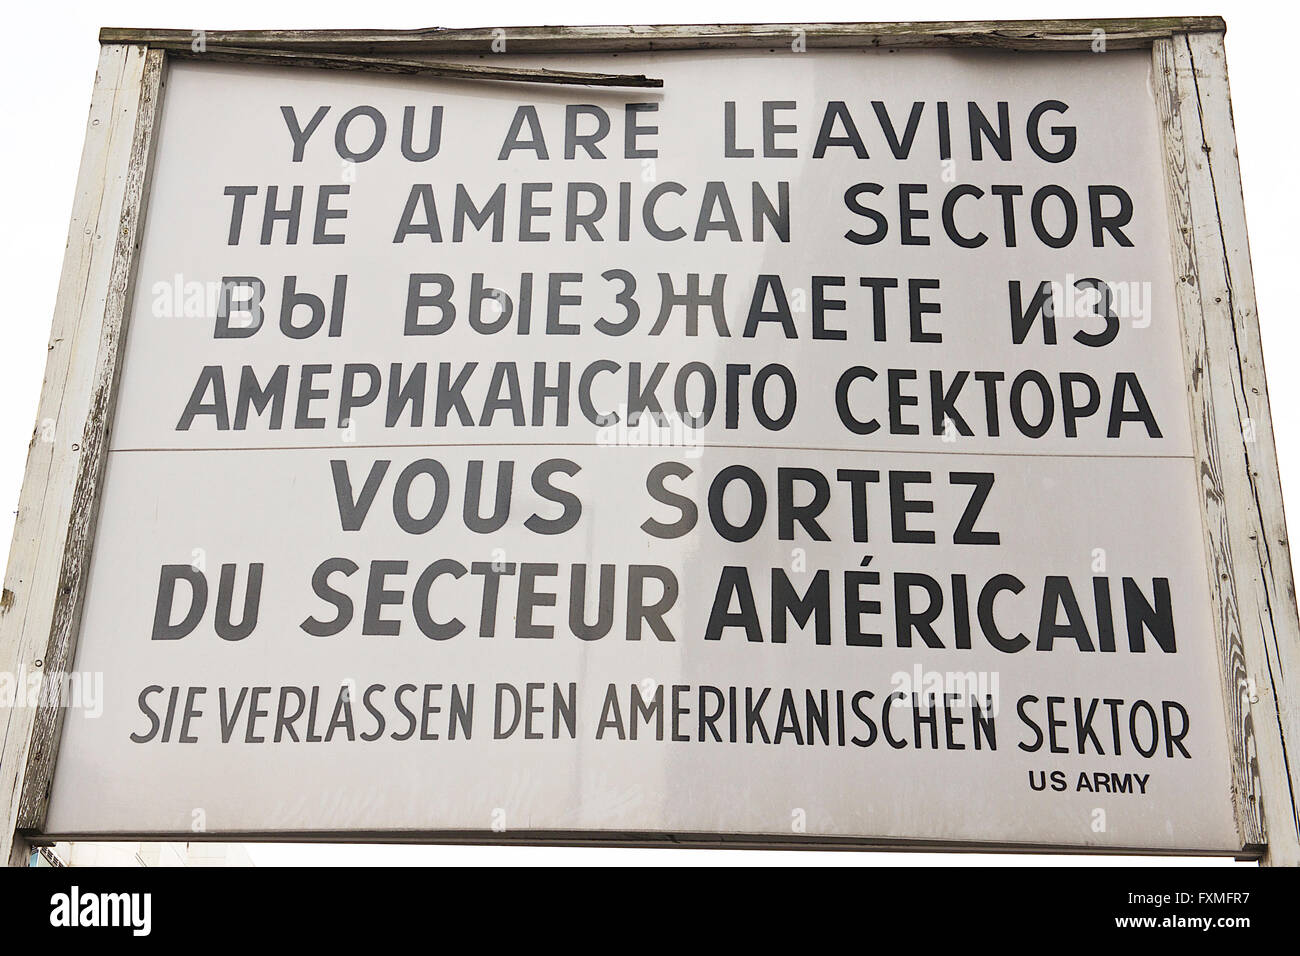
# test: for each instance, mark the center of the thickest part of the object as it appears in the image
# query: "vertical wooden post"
(48, 561)
(1248, 550)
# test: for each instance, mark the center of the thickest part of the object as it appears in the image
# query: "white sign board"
(801, 450)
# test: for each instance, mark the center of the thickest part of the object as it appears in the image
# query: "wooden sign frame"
(1246, 542)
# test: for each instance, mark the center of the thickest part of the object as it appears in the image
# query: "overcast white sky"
(49, 64)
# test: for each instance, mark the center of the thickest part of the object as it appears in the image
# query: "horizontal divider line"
(703, 447)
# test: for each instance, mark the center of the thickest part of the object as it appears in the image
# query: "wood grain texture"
(74, 573)
(1175, 98)
(1246, 541)
(37, 629)
(1273, 632)
(45, 503)
(1128, 33)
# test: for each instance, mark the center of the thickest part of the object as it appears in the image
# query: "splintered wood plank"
(1246, 541)
(55, 522)
(1120, 34)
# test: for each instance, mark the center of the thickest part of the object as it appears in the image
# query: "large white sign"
(800, 450)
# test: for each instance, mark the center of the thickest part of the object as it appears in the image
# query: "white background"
(42, 144)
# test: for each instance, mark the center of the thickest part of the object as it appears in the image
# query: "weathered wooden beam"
(1120, 33)
(1247, 549)
(45, 504)
(1185, 202)
(54, 531)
